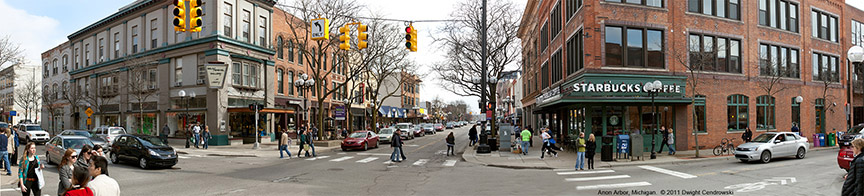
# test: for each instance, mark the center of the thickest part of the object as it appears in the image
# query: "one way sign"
(319, 28)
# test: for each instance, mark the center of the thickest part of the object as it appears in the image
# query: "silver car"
(385, 135)
(109, 133)
(95, 139)
(769, 145)
(56, 147)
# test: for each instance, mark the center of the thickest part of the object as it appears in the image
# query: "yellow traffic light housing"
(411, 38)
(195, 13)
(345, 38)
(361, 37)
(179, 15)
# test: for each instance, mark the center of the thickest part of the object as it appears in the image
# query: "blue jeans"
(396, 155)
(312, 146)
(671, 149)
(5, 156)
(580, 160)
(281, 148)
(196, 137)
(525, 145)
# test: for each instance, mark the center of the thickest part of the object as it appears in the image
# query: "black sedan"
(148, 151)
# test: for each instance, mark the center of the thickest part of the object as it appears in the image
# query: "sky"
(39, 25)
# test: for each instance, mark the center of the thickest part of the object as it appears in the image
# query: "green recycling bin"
(832, 139)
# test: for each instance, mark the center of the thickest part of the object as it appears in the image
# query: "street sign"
(89, 121)
(319, 28)
(216, 73)
(13, 113)
(89, 112)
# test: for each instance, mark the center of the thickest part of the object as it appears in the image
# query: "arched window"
(54, 91)
(279, 47)
(45, 71)
(280, 80)
(700, 114)
(65, 63)
(64, 89)
(54, 66)
(737, 112)
(290, 47)
(765, 112)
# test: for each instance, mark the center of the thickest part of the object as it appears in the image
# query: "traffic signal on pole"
(179, 15)
(345, 38)
(361, 36)
(195, 13)
(411, 38)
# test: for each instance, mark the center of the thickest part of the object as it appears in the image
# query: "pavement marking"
(367, 160)
(421, 162)
(341, 153)
(586, 172)
(388, 162)
(316, 158)
(558, 170)
(373, 154)
(611, 186)
(449, 163)
(669, 172)
(342, 159)
(15, 189)
(596, 178)
(411, 145)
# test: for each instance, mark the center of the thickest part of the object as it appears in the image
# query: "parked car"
(32, 133)
(56, 147)
(148, 151)
(109, 133)
(439, 127)
(360, 140)
(428, 128)
(856, 131)
(770, 145)
(385, 135)
(449, 125)
(95, 139)
(406, 130)
(845, 156)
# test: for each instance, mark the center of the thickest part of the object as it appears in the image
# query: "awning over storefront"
(265, 110)
(614, 89)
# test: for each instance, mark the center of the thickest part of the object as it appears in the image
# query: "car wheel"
(142, 163)
(365, 147)
(801, 153)
(48, 157)
(766, 157)
(114, 158)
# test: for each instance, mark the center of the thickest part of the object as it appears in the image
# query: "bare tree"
(10, 51)
(772, 72)
(139, 83)
(75, 96)
(52, 97)
(827, 81)
(460, 40)
(29, 97)
(96, 96)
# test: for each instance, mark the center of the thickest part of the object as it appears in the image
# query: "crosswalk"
(365, 158)
(610, 179)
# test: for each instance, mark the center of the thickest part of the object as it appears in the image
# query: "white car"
(775, 144)
(32, 133)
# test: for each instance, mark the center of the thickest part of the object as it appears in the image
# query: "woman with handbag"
(29, 173)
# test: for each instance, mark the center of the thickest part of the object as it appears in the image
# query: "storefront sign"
(622, 85)
(622, 88)
(339, 113)
(552, 94)
(216, 73)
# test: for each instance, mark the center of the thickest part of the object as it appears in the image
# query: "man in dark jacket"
(852, 185)
(397, 147)
(665, 133)
(165, 131)
(472, 135)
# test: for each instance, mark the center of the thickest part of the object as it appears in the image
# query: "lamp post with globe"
(856, 57)
(653, 89)
(304, 83)
(187, 97)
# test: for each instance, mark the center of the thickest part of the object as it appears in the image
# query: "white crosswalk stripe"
(316, 158)
(388, 162)
(342, 159)
(367, 160)
(421, 162)
(586, 172)
(612, 186)
(596, 178)
(669, 172)
(373, 154)
(449, 163)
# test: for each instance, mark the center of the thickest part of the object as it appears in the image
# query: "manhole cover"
(335, 169)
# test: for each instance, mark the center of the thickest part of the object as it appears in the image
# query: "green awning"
(619, 101)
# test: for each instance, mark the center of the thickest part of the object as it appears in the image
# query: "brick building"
(587, 64)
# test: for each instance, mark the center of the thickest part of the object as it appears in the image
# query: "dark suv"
(851, 134)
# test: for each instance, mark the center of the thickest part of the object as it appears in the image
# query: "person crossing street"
(526, 139)
(397, 147)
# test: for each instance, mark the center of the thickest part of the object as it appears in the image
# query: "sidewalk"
(567, 159)
(245, 150)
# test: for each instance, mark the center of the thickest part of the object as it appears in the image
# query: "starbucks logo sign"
(613, 120)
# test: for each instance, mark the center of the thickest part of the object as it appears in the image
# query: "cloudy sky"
(39, 25)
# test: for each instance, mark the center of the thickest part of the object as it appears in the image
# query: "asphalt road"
(428, 171)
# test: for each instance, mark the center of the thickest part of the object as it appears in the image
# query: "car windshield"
(81, 133)
(117, 131)
(439, 125)
(385, 131)
(33, 128)
(857, 129)
(76, 143)
(427, 126)
(151, 141)
(764, 138)
(358, 135)
(4, 125)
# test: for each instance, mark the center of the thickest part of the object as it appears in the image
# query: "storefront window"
(765, 112)
(700, 115)
(737, 112)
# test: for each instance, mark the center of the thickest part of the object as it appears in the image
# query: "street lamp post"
(187, 98)
(653, 89)
(305, 83)
(856, 56)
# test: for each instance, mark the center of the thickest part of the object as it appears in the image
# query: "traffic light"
(361, 36)
(179, 15)
(411, 38)
(195, 13)
(345, 38)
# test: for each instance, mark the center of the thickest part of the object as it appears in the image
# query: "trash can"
(821, 140)
(815, 140)
(623, 146)
(832, 139)
(606, 148)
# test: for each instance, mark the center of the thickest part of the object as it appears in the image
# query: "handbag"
(552, 140)
(40, 177)
(306, 147)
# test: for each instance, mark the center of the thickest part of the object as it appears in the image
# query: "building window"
(555, 17)
(246, 26)
(299, 55)
(572, 7)
(153, 28)
(796, 112)
(87, 55)
(544, 36)
(557, 67)
(824, 25)
(778, 61)
(720, 8)
(700, 115)
(765, 112)
(652, 3)
(134, 39)
(236, 74)
(178, 72)
(101, 50)
(637, 41)
(291, 85)
(281, 81)
(737, 112)
(247, 78)
(717, 54)
(77, 59)
(65, 63)
(279, 48)
(151, 77)
(228, 19)
(117, 45)
(825, 68)
(46, 71)
(262, 31)
(202, 74)
(857, 33)
(780, 14)
(545, 74)
(54, 66)
(574, 53)
(290, 47)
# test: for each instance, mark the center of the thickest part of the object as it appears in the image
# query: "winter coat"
(472, 134)
(451, 140)
(590, 148)
(283, 139)
(747, 136)
(397, 141)
(302, 139)
(65, 182)
(671, 139)
(854, 183)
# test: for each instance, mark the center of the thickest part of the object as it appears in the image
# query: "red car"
(844, 157)
(360, 140)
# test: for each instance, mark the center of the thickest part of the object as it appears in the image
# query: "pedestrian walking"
(530, 139)
(28, 180)
(302, 143)
(10, 147)
(165, 131)
(669, 141)
(84, 157)
(196, 133)
(747, 135)
(547, 144)
(314, 133)
(526, 140)
(17, 143)
(397, 147)
(450, 142)
(665, 134)
(795, 129)
(4, 152)
(311, 143)
(283, 145)
(102, 185)
(65, 171)
(205, 137)
(590, 150)
(853, 183)
(580, 151)
(80, 179)
(472, 135)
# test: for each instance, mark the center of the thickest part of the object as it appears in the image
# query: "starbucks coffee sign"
(621, 88)
(622, 85)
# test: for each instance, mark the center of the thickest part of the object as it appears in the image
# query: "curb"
(474, 160)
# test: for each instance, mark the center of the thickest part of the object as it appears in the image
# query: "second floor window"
(246, 27)
(101, 50)
(153, 28)
(778, 61)
(228, 19)
(652, 3)
(116, 45)
(262, 31)
(572, 7)
(721, 8)
(717, 54)
(824, 25)
(135, 39)
(236, 74)
(825, 68)
(87, 55)
(781, 14)
(857, 33)
(641, 44)
(555, 18)
(280, 80)
(574, 53)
